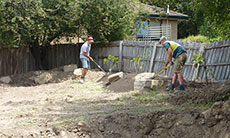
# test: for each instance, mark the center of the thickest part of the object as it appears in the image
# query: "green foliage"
(197, 60)
(109, 20)
(112, 61)
(138, 64)
(202, 39)
(217, 13)
(197, 39)
(29, 22)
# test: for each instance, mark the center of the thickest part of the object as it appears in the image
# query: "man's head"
(90, 39)
(162, 40)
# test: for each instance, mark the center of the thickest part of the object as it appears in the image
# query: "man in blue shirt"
(85, 57)
(177, 52)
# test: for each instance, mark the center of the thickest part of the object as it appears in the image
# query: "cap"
(162, 38)
(90, 39)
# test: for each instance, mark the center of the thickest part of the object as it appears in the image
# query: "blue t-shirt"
(177, 50)
(85, 48)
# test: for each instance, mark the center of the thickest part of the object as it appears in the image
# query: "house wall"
(174, 28)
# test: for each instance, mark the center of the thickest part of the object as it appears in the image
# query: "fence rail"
(153, 55)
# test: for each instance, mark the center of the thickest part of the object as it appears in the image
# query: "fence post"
(152, 57)
(120, 65)
(196, 72)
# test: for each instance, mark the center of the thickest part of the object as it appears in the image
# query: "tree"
(217, 15)
(109, 20)
(36, 23)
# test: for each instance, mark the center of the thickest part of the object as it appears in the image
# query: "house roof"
(157, 12)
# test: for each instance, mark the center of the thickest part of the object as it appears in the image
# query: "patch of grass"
(148, 97)
(34, 108)
(117, 108)
(70, 120)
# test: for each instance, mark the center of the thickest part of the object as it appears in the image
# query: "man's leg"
(172, 85)
(180, 65)
(180, 78)
(85, 67)
(174, 78)
(84, 71)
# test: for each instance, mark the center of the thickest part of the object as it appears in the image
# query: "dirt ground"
(65, 108)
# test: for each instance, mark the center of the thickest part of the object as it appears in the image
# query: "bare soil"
(65, 108)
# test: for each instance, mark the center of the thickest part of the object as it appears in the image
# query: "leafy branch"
(112, 61)
(138, 64)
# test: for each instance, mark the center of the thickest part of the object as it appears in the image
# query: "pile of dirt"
(57, 75)
(212, 123)
(201, 95)
(124, 84)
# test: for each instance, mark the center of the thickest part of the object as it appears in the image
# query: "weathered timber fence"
(17, 61)
(153, 55)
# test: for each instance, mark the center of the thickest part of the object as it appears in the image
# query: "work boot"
(181, 87)
(171, 87)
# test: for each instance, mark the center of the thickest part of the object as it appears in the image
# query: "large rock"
(143, 81)
(43, 78)
(77, 72)
(5, 79)
(70, 68)
(115, 77)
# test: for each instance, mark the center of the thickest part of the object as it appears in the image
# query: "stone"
(115, 77)
(77, 72)
(43, 78)
(143, 81)
(70, 68)
(83, 126)
(5, 79)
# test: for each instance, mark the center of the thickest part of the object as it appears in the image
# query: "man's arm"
(169, 59)
(89, 57)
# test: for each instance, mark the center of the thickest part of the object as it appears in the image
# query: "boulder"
(43, 78)
(115, 77)
(143, 81)
(5, 79)
(70, 68)
(77, 72)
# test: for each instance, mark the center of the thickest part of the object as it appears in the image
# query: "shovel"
(99, 67)
(160, 72)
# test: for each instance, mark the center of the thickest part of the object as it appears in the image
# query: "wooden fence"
(153, 55)
(17, 61)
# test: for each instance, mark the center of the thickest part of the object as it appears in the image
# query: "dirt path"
(70, 109)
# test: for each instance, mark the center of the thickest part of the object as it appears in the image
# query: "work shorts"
(180, 62)
(85, 63)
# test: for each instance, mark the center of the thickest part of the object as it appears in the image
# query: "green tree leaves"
(26, 22)
(109, 20)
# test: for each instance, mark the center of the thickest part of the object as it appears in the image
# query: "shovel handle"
(162, 71)
(98, 66)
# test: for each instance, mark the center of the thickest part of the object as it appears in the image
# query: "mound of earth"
(124, 84)
(212, 123)
(201, 95)
(57, 75)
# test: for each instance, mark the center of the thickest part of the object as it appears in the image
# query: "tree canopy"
(29, 22)
(109, 20)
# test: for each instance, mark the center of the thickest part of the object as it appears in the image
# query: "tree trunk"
(35, 49)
